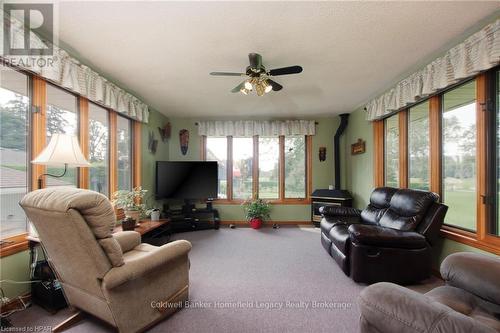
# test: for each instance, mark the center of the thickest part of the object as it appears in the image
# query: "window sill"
(489, 243)
(271, 201)
(15, 244)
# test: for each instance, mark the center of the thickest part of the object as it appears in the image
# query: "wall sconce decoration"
(322, 154)
(165, 132)
(152, 143)
(184, 140)
(358, 147)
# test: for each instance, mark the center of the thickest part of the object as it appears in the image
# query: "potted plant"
(130, 202)
(256, 212)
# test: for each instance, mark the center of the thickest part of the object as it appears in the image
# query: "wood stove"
(326, 197)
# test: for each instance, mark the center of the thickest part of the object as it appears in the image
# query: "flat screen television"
(186, 180)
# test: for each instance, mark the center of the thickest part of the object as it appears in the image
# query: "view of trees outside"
(459, 155)
(242, 167)
(391, 128)
(124, 153)
(295, 167)
(217, 151)
(14, 111)
(98, 148)
(269, 168)
(62, 118)
(418, 146)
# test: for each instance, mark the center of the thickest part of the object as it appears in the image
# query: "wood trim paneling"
(378, 153)
(481, 160)
(13, 245)
(403, 148)
(83, 110)
(281, 168)
(203, 148)
(113, 156)
(309, 171)
(137, 154)
(255, 168)
(38, 129)
(229, 171)
(435, 142)
(470, 239)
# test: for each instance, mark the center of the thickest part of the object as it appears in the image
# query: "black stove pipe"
(336, 147)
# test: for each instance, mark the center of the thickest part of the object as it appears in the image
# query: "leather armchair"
(112, 276)
(398, 227)
(469, 302)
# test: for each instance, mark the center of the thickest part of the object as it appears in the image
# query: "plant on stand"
(131, 202)
(256, 212)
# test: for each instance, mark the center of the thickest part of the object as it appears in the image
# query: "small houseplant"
(256, 212)
(130, 202)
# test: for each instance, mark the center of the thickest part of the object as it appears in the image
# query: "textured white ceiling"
(350, 51)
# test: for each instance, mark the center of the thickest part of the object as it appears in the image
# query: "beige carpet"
(245, 280)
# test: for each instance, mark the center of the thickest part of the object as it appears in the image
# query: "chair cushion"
(407, 209)
(467, 304)
(340, 237)
(386, 237)
(379, 202)
(113, 250)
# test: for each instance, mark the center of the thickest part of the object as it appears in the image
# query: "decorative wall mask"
(184, 140)
(165, 132)
(358, 147)
(152, 143)
(322, 154)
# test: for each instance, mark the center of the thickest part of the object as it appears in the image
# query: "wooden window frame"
(37, 142)
(479, 239)
(255, 172)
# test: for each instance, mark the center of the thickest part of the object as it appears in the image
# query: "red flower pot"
(256, 223)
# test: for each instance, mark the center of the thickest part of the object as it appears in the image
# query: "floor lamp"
(62, 150)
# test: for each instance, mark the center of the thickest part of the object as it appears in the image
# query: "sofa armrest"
(339, 211)
(127, 239)
(144, 265)
(386, 237)
(389, 308)
(474, 272)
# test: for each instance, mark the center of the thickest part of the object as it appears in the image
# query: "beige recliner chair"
(111, 276)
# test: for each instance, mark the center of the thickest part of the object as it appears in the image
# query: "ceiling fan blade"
(276, 86)
(255, 61)
(238, 87)
(227, 74)
(285, 70)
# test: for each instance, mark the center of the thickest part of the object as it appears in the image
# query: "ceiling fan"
(258, 77)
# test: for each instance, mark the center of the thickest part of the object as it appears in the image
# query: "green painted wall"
(16, 268)
(149, 159)
(322, 172)
(359, 179)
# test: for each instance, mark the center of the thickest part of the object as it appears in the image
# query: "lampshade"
(62, 150)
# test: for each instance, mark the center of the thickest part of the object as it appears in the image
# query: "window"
(124, 153)
(268, 168)
(391, 129)
(272, 168)
(14, 154)
(217, 151)
(62, 118)
(242, 167)
(295, 167)
(453, 149)
(418, 146)
(459, 155)
(98, 149)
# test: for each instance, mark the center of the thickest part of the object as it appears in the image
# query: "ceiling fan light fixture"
(248, 85)
(267, 86)
(244, 91)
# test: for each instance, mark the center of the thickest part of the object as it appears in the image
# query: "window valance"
(69, 73)
(248, 128)
(477, 53)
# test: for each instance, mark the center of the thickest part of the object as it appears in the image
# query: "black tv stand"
(190, 218)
